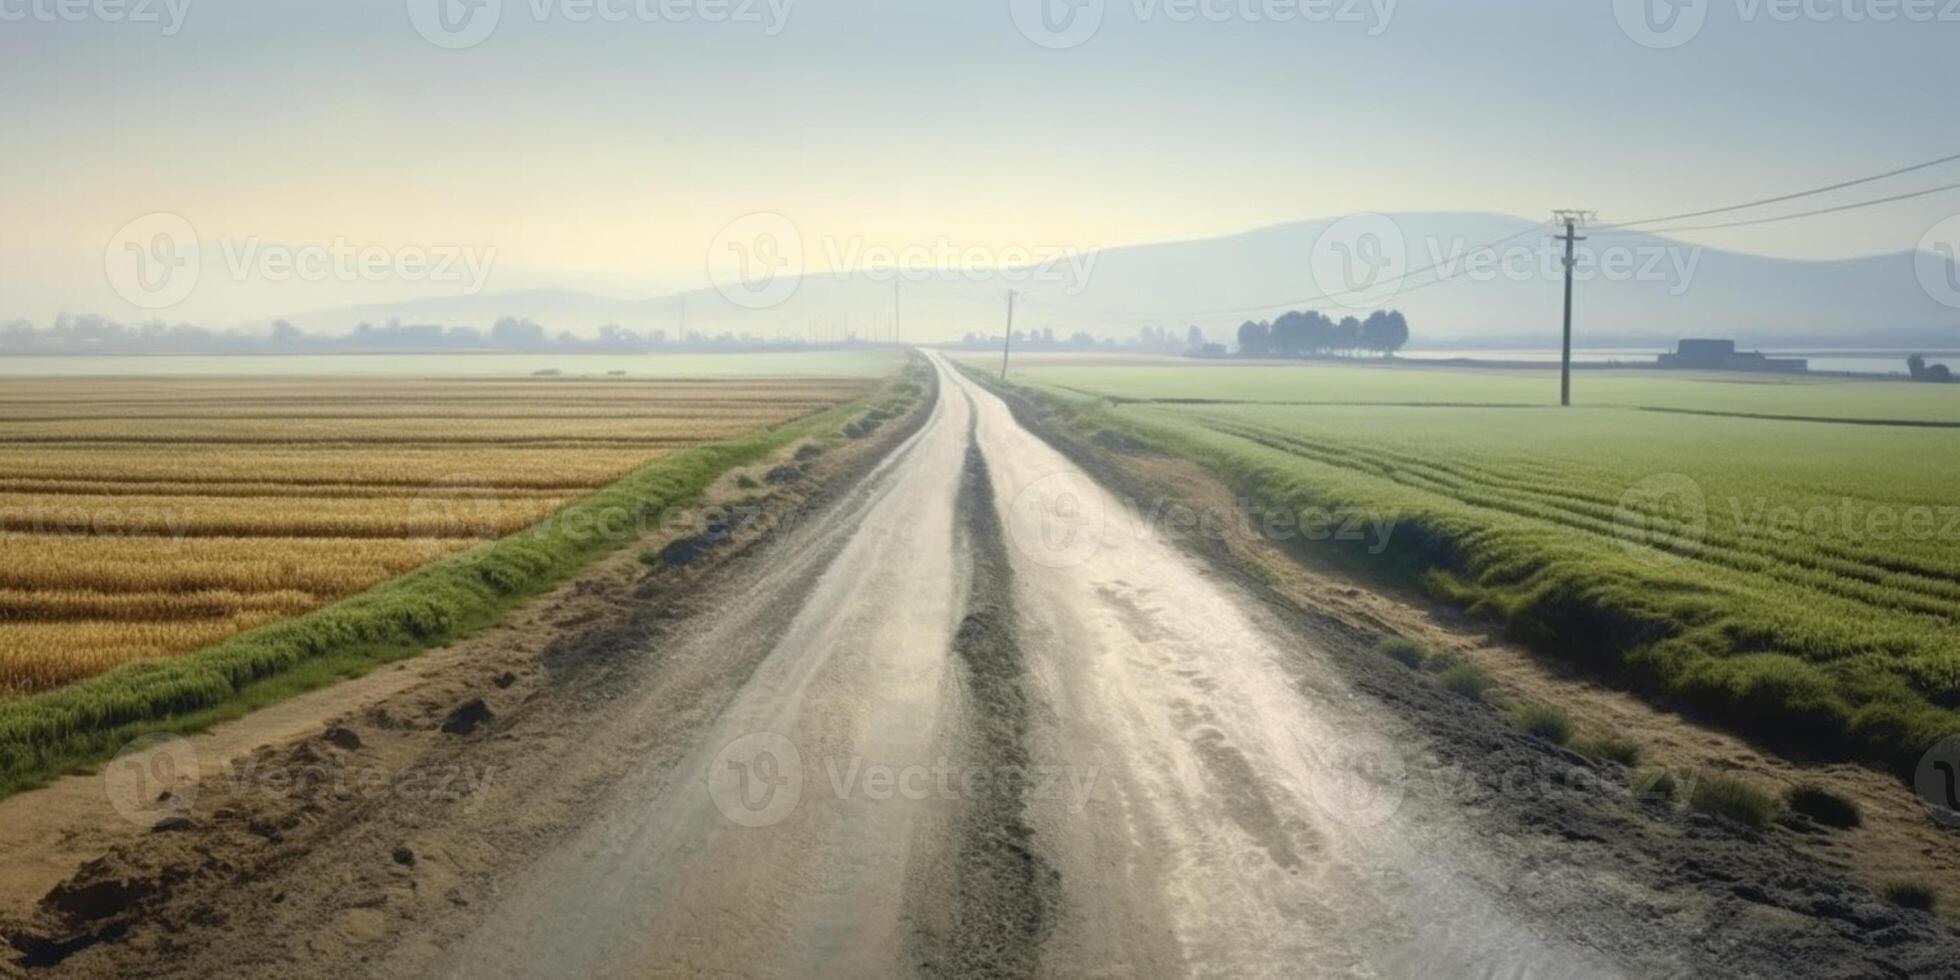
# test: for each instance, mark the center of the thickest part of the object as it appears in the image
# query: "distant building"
(1705, 349)
(1721, 355)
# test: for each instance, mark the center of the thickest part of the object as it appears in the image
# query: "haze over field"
(1154, 163)
(1638, 289)
(979, 488)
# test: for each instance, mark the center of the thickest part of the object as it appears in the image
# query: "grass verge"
(1543, 721)
(1467, 679)
(1611, 748)
(1404, 651)
(46, 734)
(1664, 629)
(1910, 895)
(1726, 796)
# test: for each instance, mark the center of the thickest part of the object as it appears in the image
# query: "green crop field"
(1380, 384)
(1798, 579)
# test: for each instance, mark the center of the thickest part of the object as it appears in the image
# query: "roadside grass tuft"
(1611, 748)
(1654, 784)
(1726, 796)
(1467, 679)
(1911, 895)
(1824, 806)
(1403, 651)
(1543, 721)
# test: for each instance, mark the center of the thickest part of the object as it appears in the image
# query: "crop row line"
(1934, 597)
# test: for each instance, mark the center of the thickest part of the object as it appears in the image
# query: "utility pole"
(896, 335)
(1571, 220)
(1007, 339)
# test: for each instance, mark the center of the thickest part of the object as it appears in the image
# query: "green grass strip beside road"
(44, 735)
(1815, 675)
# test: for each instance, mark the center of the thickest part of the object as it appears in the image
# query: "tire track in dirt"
(1005, 894)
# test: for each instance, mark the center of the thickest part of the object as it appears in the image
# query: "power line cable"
(1620, 228)
(1790, 217)
(1784, 197)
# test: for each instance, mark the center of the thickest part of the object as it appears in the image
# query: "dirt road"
(981, 716)
(1140, 773)
(822, 823)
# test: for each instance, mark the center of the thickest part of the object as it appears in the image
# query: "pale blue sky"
(608, 155)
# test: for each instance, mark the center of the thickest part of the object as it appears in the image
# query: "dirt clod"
(103, 888)
(721, 526)
(467, 716)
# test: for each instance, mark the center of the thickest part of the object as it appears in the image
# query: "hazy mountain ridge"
(1661, 289)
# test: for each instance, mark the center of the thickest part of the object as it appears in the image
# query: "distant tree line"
(1150, 340)
(90, 334)
(1922, 371)
(1301, 333)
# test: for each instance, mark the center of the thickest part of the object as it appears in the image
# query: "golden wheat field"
(147, 517)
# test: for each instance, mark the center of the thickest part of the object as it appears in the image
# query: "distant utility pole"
(1007, 339)
(896, 335)
(1572, 220)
